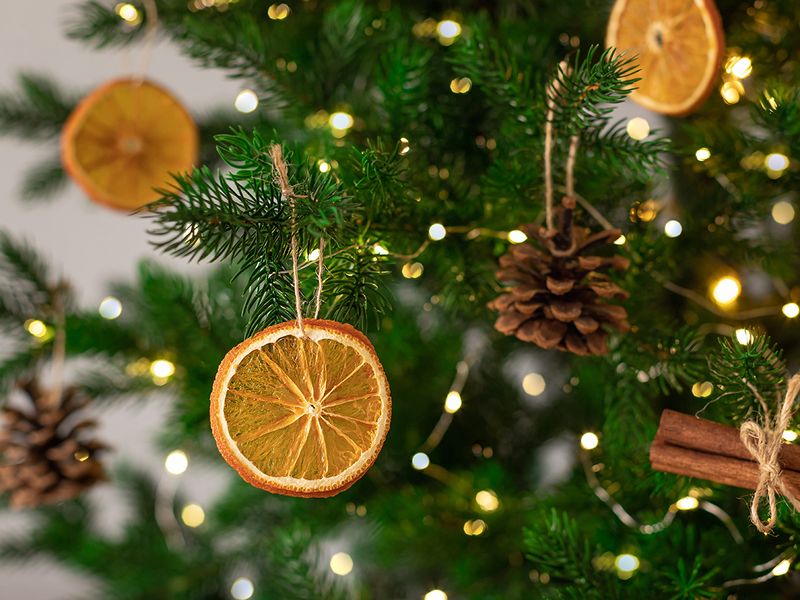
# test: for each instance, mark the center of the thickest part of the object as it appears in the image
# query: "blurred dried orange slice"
(679, 44)
(301, 415)
(124, 139)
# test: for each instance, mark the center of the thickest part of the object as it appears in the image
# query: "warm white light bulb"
(744, 336)
(341, 121)
(193, 515)
(246, 101)
(448, 29)
(627, 563)
(782, 568)
(110, 308)
(420, 461)
(533, 384)
(702, 154)
(673, 228)
(638, 128)
(176, 462)
(515, 236)
(790, 310)
(437, 232)
(789, 436)
(783, 212)
(341, 563)
(487, 500)
(589, 441)
(726, 290)
(436, 595)
(453, 402)
(687, 503)
(242, 589)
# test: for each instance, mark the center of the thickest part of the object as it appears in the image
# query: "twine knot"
(763, 442)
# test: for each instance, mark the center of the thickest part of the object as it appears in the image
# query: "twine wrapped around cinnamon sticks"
(753, 457)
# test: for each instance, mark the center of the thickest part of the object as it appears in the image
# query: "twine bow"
(764, 444)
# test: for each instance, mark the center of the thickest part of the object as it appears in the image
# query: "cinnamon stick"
(694, 447)
(695, 433)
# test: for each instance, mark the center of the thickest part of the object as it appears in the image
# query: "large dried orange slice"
(679, 44)
(125, 139)
(301, 415)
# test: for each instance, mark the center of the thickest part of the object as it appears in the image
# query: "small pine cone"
(557, 296)
(44, 454)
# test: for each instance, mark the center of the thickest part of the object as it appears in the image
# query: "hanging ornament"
(557, 294)
(303, 407)
(753, 457)
(126, 139)
(678, 46)
(45, 456)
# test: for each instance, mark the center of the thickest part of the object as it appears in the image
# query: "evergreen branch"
(611, 148)
(745, 372)
(37, 111)
(587, 92)
(207, 216)
(268, 296)
(26, 288)
(44, 180)
(356, 287)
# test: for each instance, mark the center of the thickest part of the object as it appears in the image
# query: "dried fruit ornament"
(124, 140)
(303, 407)
(679, 45)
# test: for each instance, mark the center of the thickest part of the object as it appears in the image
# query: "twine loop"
(763, 442)
(288, 195)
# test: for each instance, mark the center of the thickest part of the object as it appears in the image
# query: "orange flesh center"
(303, 409)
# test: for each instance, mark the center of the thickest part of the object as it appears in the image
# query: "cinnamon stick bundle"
(694, 447)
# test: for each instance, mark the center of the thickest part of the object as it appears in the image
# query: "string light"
(161, 370)
(702, 389)
(278, 12)
(687, 503)
(744, 337)
(620, 241)
(783, 212)
(128, 13)
(453, 402)
(533, 384)
(193, 515)
(673, 228)
(379, 250)
(731, 92)
(790, 310)
(626, 564)
(435, 595)
(437, 232)
(341, 563)
(460, 85)
(412, 270)
(110, 308)
(447, 31)
(702, 154)
(242, 589)
(176, 462)
(487, 500)
(589, 441)
(36, 328)
(638, 128)
(789, 436)
(340, 123)
(420, 461)
(246, 101)
(515, 236)
(476, 527)
(739, 66)
(782, 568)
(726, 290)
(323, 166)
(776, 162)
(405, 146)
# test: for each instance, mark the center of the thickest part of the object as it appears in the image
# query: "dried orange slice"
(124, 139)
(301, 415)
(679, 45)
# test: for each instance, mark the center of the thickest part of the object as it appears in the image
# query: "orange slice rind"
(301, 415)
(679, 45)
(124, 140)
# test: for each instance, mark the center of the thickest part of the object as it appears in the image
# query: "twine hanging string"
(764, 444)
(549, 137)
(151, 15)
(288, 194)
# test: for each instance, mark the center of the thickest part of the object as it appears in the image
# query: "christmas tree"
(540, 276)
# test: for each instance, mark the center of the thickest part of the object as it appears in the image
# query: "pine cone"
(557, 296)
(44, 456)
